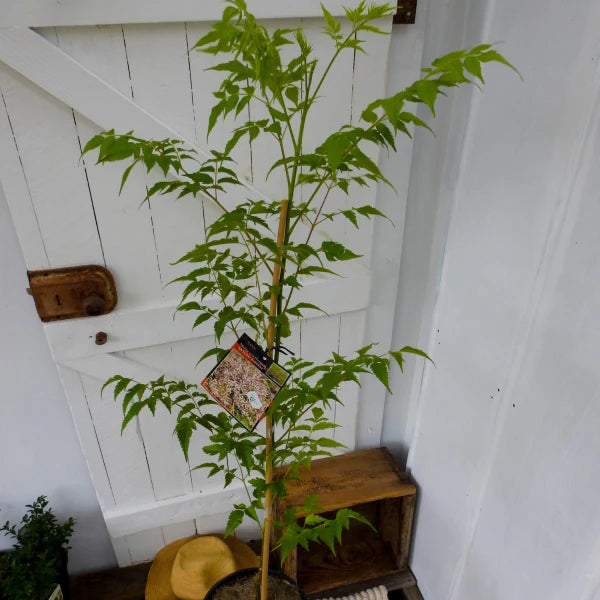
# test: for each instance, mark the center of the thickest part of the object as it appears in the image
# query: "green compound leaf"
(335, 251)
(234, 521)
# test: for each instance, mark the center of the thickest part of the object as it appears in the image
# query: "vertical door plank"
(160, 80)
(330, 112)
(125, 225)
(186, 354)
(88, 437)
(161, 83)
(169, 472)
(124, 455)
(16, 190)
(368, 83)
(49, 151)
(160, 76)
(179, 360)
(204, 83)
(169, 469)
(320, 337)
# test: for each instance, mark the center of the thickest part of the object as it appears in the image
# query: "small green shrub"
(32, 569)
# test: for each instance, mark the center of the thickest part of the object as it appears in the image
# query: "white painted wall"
(38, 445)
(503, 240)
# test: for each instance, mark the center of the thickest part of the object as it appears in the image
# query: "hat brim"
(158, 584)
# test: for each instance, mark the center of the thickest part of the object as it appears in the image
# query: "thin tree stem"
(275, 293)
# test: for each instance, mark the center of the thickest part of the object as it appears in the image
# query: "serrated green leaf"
(370, 211)
(189, 306)
(492, 55)
(184, 430)
(218, 352)
(328, 17)
(213, 449)
(292, 94)
(201, 318)
(326, 535)
(314, 520)
(234, 521)
(411, 350)
(397, 356)
(336, 251)
(380, 368)
(121, 385)
(109, 381)
(95, 142)
(126, 174)
(287, 543)
(473, 66)
(351, 216)
(329, 443)
(133, 411)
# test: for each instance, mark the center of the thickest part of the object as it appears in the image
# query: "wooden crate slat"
(350, 479)
(412, 593)
(407, 512)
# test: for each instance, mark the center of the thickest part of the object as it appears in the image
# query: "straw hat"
(186, 569)
(158, 584)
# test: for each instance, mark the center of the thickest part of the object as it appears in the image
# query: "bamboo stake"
(269, 421)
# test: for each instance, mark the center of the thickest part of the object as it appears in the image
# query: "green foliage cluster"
(33, 568)
(235, 262)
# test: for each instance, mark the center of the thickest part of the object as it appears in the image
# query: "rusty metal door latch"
(72, 292)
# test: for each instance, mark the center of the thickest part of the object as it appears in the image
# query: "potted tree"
(38, 562)
(257, 255)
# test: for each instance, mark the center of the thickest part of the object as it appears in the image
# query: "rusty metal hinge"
(406, 12)
(72, 292)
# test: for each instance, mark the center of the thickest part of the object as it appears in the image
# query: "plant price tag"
(246, 381)
(56, 594)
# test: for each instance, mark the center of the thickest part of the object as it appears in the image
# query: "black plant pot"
(243, 573)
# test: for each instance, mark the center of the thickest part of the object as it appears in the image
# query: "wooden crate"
(371, 482)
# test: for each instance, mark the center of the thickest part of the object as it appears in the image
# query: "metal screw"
(101, 338)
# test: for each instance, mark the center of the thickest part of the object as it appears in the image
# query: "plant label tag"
(56, 594)
(246, 381)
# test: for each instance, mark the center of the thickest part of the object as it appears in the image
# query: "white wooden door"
(60, 84)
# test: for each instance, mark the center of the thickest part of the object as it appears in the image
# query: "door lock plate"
(72, 292)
